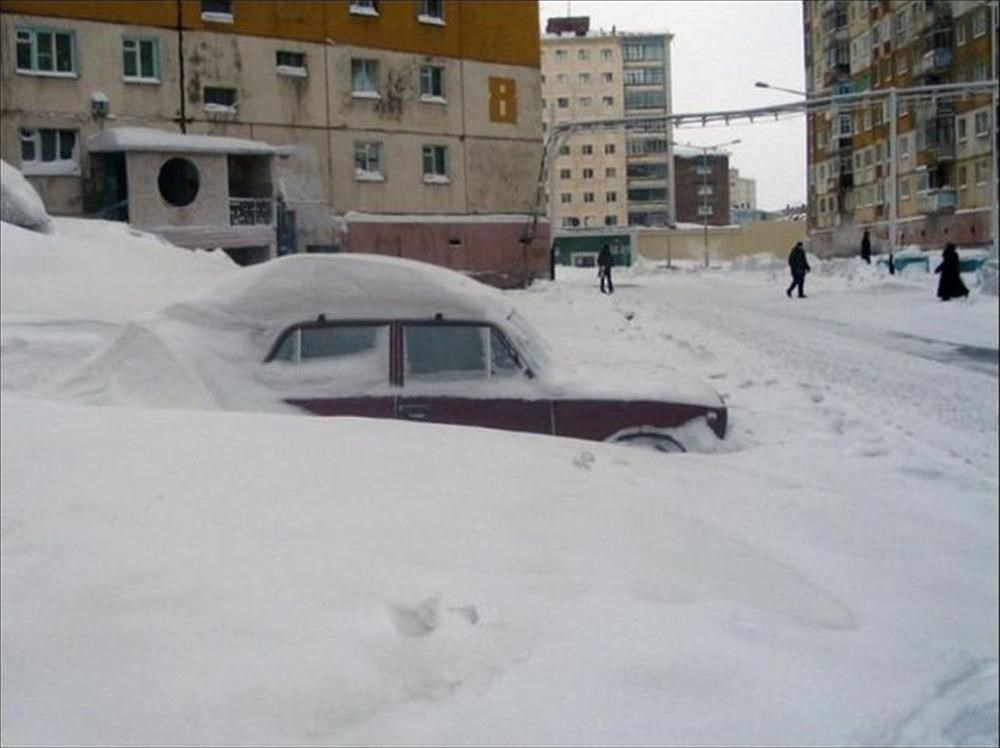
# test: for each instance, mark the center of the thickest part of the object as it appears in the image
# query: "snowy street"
(826, 575)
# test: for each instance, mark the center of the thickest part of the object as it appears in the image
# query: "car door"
(334, 368)
(469, 374)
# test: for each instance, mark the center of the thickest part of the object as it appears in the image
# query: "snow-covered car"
(380, 337)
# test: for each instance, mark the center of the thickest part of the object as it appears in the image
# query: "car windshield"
(528, 342)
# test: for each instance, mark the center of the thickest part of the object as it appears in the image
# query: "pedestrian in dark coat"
(799, 266)
(604, 263)
(866, 248)
(950, 284)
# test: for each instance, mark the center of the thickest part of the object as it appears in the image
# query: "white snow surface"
(149, 139)
(20, 204)
(210, 577)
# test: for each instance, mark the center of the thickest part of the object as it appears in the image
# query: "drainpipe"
(180, 57)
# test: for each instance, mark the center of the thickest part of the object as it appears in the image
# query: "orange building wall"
(501, 31)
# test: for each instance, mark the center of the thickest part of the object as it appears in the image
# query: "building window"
(584, 79)
(564, 150)
(561, 54)
(219, 98)
(364, 7)
(639, 51)
(610, 220)
(588, 173)
(565, 173)
(562, 102)
(291, 63)
(611, 197)
(217, 11)
(644, 76)
(609, 148)
(583, 54)
(982, 172)
(844, 125)
(45, 51)
(655, 99)
(431, 83)
(607, 77)
(46, 151)
(368, 162)
(979, 23)
(566, 197)
(963, 178)
(982, 124)
(588, 197)
(904, 147)
(585, 102)
(962, 125)
(608, 100)
(979, 71)
(610, 172)
(431, 11)
(606, 54)
(960, 33)
(587, 150)
(141, 60)
(570, 222)
(436, 164)
(364, 79)
(562, 78)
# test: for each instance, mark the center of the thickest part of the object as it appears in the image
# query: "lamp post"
(703, 202)
(763, 84)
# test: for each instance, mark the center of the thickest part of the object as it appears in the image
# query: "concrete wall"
(724, 243)
(147, 206)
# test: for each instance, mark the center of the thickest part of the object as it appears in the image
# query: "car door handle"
(414, 411)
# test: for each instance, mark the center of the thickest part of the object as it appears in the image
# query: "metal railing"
(251, 211)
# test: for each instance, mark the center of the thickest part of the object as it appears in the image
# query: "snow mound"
(20, 203)
(989, 274)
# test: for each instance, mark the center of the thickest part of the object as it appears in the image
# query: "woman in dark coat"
(950, 285)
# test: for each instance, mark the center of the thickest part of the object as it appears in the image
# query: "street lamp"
(703, 203)
(762, 84)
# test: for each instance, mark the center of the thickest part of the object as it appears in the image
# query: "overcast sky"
(719, 49)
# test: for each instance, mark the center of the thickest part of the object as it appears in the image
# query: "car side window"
(346, 352)
(447, 352)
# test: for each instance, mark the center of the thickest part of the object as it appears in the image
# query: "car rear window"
(436, 352)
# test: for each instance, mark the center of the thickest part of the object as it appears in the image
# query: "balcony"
(940, 200)
(250, 211)
(845, 182)
(935, 61)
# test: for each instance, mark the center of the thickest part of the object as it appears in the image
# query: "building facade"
(702, 186)
(608, 178)
(410, 128)
(945, 150)
(742, 192)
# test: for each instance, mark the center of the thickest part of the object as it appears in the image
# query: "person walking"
(799, 266)
(866, 248)
(604, 264)
(950, 285)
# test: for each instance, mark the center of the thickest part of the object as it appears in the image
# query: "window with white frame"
(982, 172)
(219, 98)
(962, 126)
(904, 189)
(584, 79)
(588, 197)
(608, 100)
(561, 54)
(570, 222)
(48, 151)
(611, 197)
(291, 63)
(583, 54)
(960, 33)
(610, 220)
(904, 147)
(45, 51)
(979, 23)
(963, 178)
(606, 54)
(607, 77)
(364, 78)
(431, 83)
(364, 7)
(982, 124)
(979, 71)
(435, 163)
(217, 11)
(587, 149)
(566, 197)
(141, 59)
(585, 101)
(610, 172)
(564, 150)
(431, 11)
(562, 102)
(844, 125)
(368, 162)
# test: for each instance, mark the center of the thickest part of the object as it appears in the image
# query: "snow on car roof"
(148, 139)
(300, 287)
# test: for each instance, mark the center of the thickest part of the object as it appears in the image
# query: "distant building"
(702, 179)
(742, 191)
(403, 128)
(608, 178)
(946, 154)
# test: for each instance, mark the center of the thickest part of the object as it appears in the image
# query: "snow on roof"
(148, 139)
(685, 151)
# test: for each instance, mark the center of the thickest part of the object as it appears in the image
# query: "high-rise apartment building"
(945, 151)
(404, 127)
(608, 178)
(702, 181)
(742, 191)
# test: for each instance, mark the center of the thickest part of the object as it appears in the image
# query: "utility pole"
(893, 205)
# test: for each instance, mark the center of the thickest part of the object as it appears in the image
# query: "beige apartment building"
(946, 152)
(607, 178)
(410, 127)
(742, 191)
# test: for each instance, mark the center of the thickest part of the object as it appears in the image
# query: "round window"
(178, 181)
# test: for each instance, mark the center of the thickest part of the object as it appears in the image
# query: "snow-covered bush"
(19, 203)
